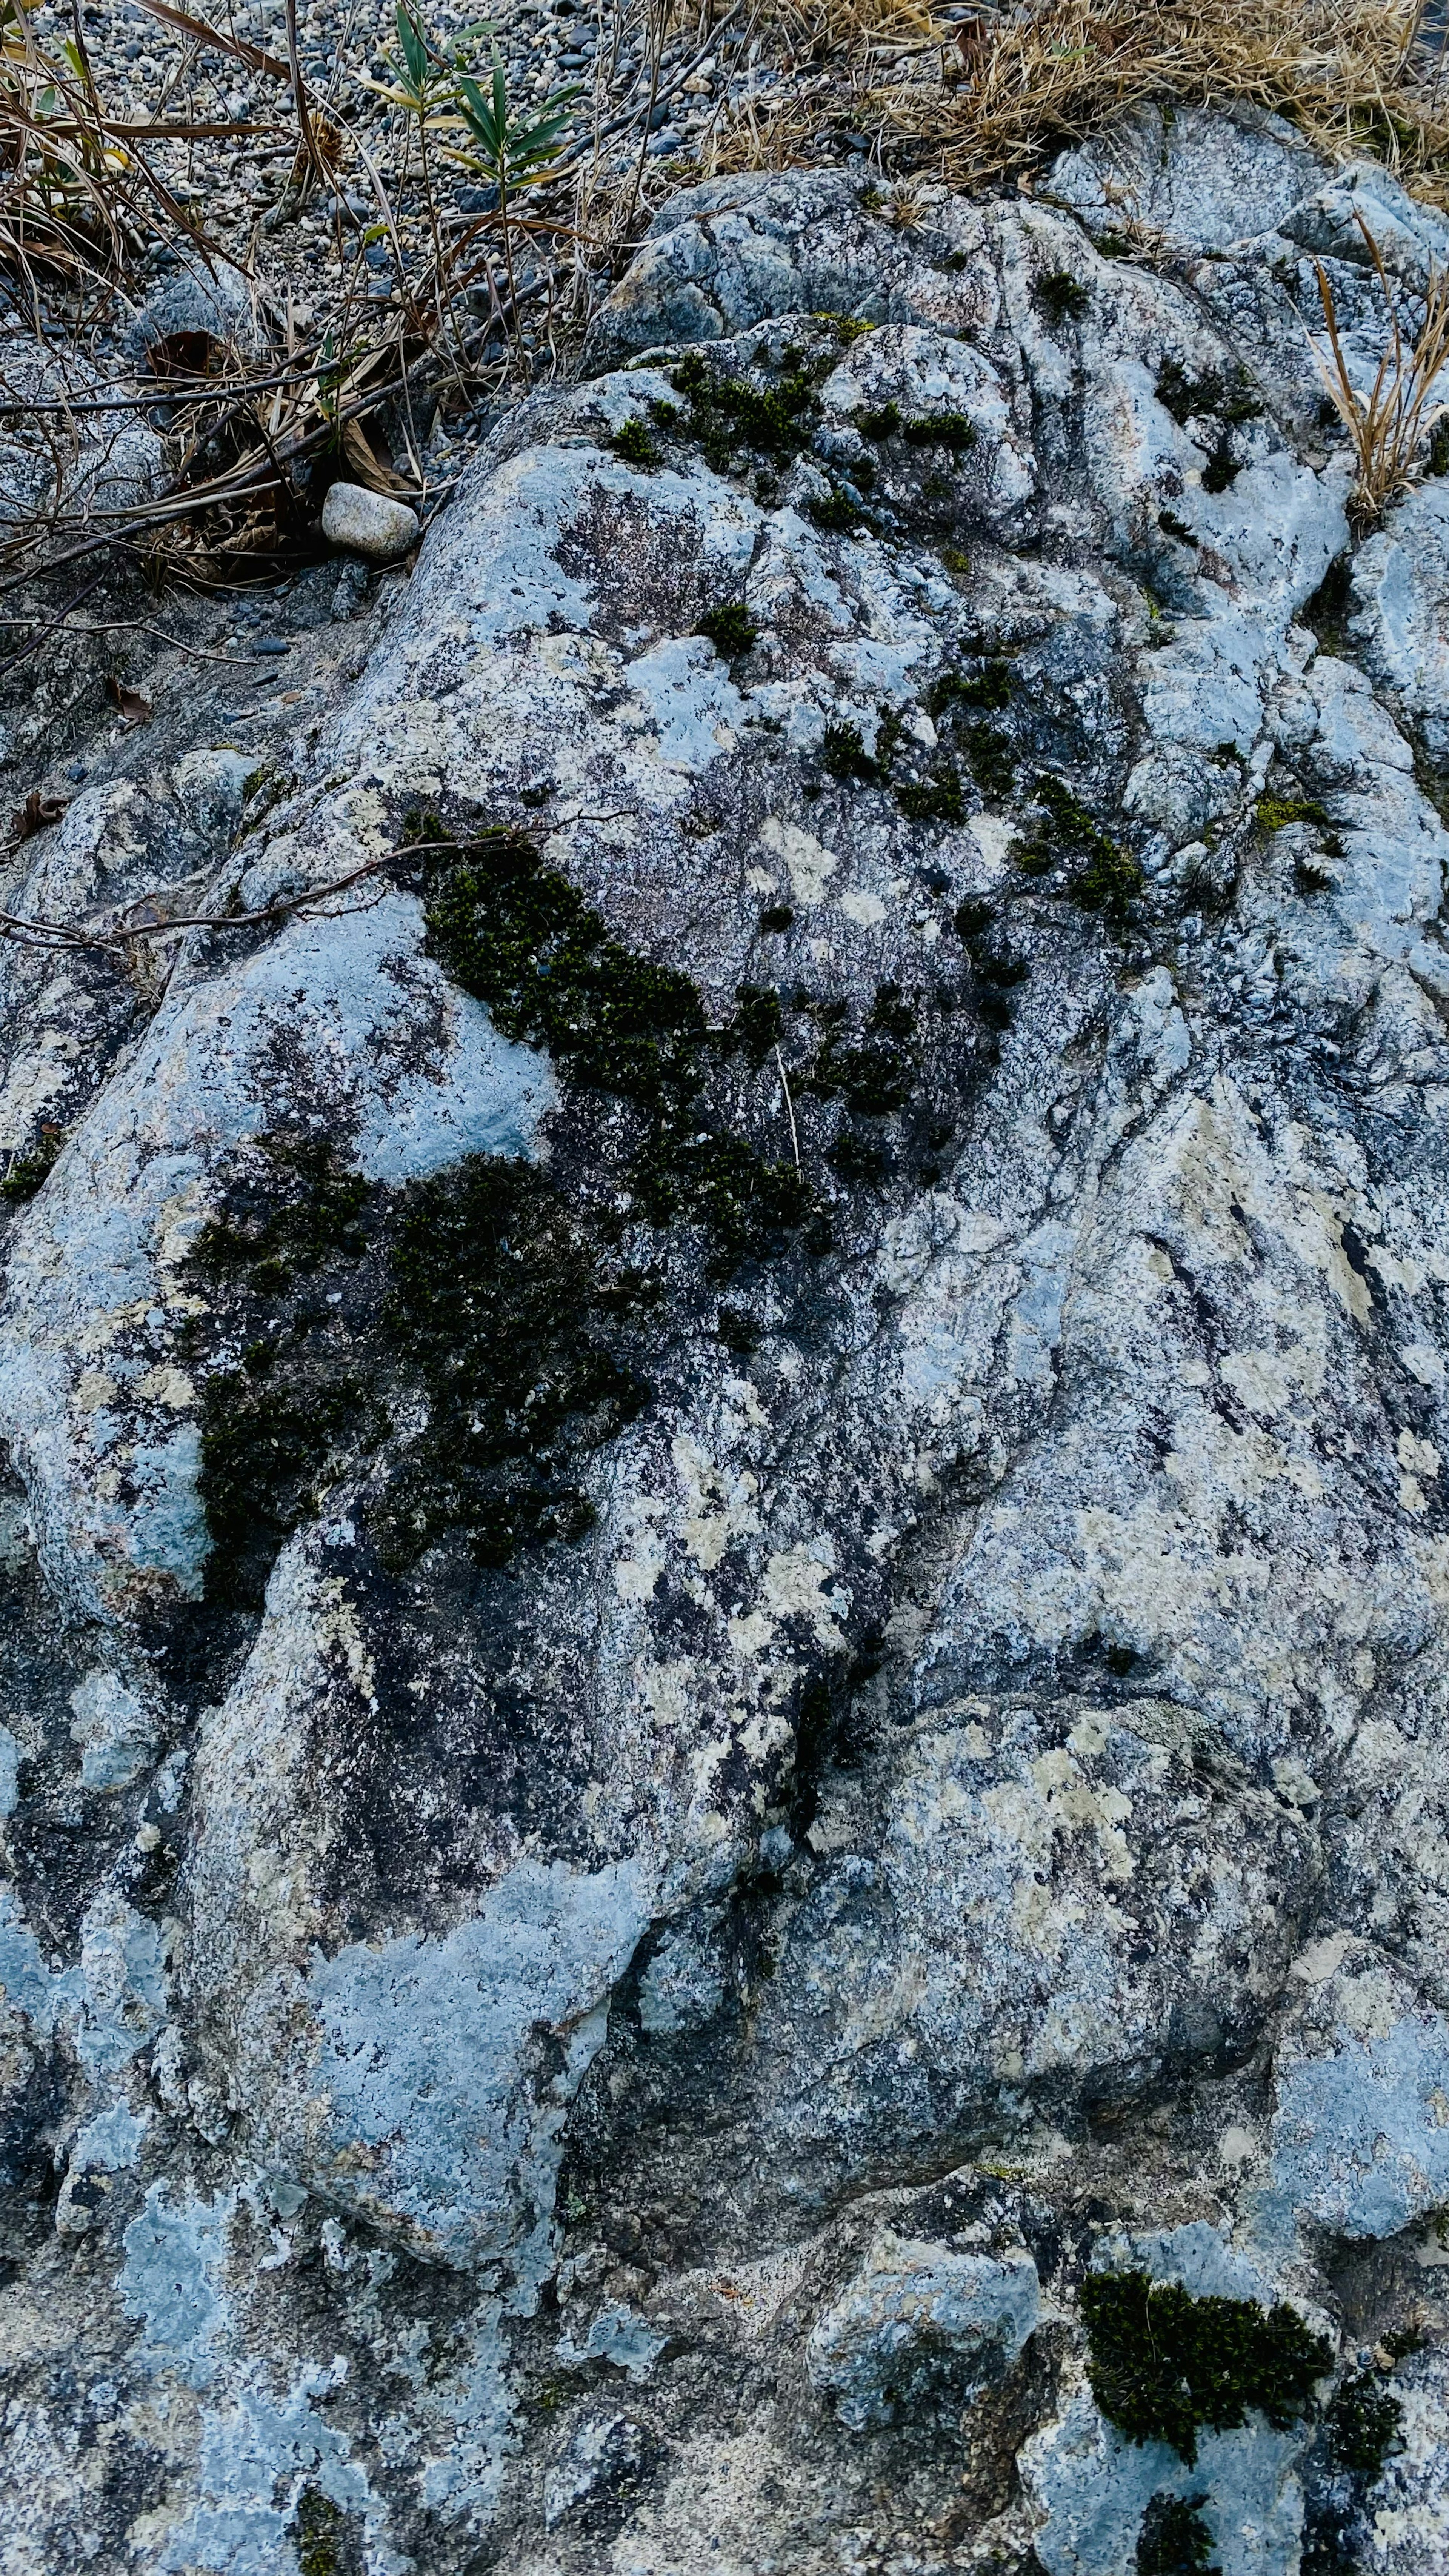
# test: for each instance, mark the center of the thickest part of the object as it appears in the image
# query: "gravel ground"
(241, 188)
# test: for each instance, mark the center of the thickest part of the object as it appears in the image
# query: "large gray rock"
(638, 1769)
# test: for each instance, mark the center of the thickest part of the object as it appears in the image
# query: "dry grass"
(1342, 69)
(986, 98)
(1390, 424)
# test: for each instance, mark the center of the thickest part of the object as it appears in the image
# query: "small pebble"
(368, 523)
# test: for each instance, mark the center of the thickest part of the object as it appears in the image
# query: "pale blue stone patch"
(114, 1730)
(618, 2334)
(430, 2056)
(111, 2143)
(171, 2280)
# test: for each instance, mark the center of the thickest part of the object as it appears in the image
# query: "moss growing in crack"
(730, 628)
(1174, 2539)
(499, 1306)
(991, 759)
(633, 444)
(1210, 396)
(1060, 296)
(1164, 2366)
(28, 1173)
(1365, 2424)
(1275, 813)
(1326, 613)
(992, 687)
(949, 429)
(1105, 877)
(730, 418)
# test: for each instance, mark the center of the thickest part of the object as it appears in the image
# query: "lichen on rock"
(725, 1685)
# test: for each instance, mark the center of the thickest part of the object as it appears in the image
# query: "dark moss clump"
(1174, 2539)
(936, 799)
(522, 939)
(993, 687)
(991, 759)
(273, 1425)
(300, 1210)
(757, 1023)
(1060, 296)
(264, 1449)
(837, 511)
(1439, 447)
(1163, 2365)
(875, 1076)
(727, 414)
(1222, 468)
(1365, 2424)
(776, 916)
(28, 1173)
(500, 1306)
(484, 1302)
(730, 628)
(1105, 878)
(634, 445)
(1173, 526)
(883, 423)
(949, 429)
(1210, 396)
(1326, 614)
(843, 755)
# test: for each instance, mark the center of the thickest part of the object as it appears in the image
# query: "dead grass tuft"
(1390, 425)
(1344, 71)
(984, 98)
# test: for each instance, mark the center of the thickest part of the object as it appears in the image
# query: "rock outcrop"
(728, 1552)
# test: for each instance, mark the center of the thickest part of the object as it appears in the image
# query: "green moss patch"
(1210, 396)
(1060, 296)
(730, 628)
(28, 1173)
(1174, 2539)
(730, 418)
(1104, 877)
(1275, 813)
(470, 1340)
(1163, 2365)
(522, 939)
(633, 444)
(1365, 2424)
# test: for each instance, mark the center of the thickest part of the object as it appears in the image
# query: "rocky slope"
(727, 1571)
